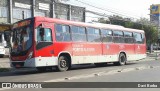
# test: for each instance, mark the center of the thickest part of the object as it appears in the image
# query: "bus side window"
(62, 32)
(118, 36)
(143, 38)
(138, 38)
(106, 35)
(128, 37)
(44, 35)
(93, 35)
(78, 33)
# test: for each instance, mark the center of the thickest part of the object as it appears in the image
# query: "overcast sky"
(131, 8)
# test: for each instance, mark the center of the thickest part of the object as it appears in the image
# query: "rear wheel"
(63, 64)
(122, 60)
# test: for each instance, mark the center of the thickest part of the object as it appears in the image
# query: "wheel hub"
(63, 63)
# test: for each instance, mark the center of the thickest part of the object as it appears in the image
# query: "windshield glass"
(21, 39)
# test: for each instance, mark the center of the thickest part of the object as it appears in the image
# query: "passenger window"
(118, 36)
(78, 33)
(62, 32)
(128, 37)
(93, 35)
(106, 35)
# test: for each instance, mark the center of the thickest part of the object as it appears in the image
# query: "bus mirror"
(41, 31)
(5, 36)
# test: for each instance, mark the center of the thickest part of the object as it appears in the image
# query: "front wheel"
(122, 60)
(63, 63)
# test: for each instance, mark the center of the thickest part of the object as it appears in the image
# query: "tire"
(41, 69)
(121, 60)
(63, 64)
(100, 64)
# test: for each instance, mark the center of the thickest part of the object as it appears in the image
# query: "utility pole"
(23, 15)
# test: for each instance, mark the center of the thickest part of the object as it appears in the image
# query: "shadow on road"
(28, 71)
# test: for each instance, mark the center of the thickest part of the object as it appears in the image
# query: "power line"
(118, 11)
(105, 9)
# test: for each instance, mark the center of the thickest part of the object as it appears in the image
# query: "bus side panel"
(87, 53)
(140, 51)
(116, 48)
(129, 50)
(62, 47)
(109, 52)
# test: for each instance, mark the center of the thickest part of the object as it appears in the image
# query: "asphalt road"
(137, 71)
(30, 75)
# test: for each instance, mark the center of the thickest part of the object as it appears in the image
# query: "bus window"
(143, 38)
(138, 38)
(128, 37)
(118, 36)
(93, 35)
(62, 33)
(78, 33)
(106, 35)
(44, 35)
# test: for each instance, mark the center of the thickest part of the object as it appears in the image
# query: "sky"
(126, 8)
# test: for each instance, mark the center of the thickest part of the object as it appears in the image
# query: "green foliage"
(151, 31)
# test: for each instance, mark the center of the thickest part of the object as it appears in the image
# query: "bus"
(42, 42)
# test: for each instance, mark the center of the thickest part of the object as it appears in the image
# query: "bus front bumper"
(35, 62)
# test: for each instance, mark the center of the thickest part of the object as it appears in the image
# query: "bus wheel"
(63, 63)
(41, 69)
(122, 60)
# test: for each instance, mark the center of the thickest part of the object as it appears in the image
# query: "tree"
(151, 31)
(104, 20)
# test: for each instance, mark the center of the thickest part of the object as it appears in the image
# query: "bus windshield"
(21, 39)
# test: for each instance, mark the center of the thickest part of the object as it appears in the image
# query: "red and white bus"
(46, 42)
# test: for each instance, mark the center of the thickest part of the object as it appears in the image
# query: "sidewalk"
(154, 54)
(4, 63)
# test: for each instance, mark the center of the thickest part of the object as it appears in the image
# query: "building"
(14, 10)
(155, 16)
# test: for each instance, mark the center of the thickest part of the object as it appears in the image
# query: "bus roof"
(95, 25)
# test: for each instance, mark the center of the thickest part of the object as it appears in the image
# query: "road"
(30, 75)
(138, 71)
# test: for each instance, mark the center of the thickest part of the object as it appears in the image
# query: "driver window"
(44, 35)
